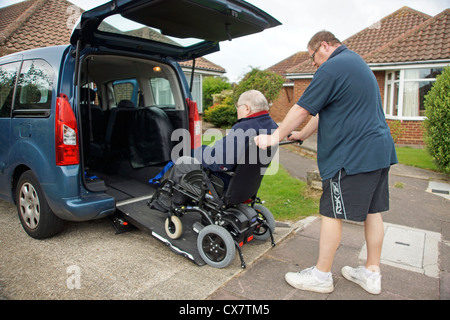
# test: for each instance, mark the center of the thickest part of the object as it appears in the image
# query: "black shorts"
(352, 197)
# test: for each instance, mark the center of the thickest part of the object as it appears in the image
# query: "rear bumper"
(83, 208)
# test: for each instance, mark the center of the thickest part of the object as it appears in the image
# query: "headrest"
(87, 92)
(125, 104)
(33, 94)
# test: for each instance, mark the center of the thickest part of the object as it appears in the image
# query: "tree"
(269, 83)
(437, 124)
(213, 85)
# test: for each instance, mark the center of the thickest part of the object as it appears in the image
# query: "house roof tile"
(43, 26)
(297, 58)
(203, 64)
(10, 15)
(428, 41)
(387, 31)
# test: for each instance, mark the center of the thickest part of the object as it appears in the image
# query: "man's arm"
(295, 117)
(307, 131)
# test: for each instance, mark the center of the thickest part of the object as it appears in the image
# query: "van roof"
(44, 53)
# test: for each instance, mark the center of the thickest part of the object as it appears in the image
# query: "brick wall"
(287, 98)
(282, 104)
(407, 132)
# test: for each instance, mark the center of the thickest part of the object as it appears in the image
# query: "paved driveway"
(89, 261)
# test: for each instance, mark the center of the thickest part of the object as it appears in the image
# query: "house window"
(406, 90)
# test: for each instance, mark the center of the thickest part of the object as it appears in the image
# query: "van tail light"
(195, 125)
(66, 133)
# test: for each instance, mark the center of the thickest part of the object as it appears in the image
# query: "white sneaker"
(371, 284)
(306, 280)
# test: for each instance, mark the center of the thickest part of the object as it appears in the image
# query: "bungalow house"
(40, 23)
(405, 50)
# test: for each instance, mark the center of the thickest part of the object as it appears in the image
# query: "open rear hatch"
(178, 29)
(203, 22)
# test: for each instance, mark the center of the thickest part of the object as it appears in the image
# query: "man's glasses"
(314, 54)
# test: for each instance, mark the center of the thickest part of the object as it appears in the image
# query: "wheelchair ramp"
(152, 221)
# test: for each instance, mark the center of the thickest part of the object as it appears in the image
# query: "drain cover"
(411, 249)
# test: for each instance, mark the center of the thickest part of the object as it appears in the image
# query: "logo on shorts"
(337, 198)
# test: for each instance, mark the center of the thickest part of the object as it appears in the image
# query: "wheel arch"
(18, 171)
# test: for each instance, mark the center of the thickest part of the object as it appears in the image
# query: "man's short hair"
(255, 100)
(320, 36)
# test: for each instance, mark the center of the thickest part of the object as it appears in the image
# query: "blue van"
(84, 126)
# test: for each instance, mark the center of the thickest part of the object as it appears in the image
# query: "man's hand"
(265, 141)
(295, 136)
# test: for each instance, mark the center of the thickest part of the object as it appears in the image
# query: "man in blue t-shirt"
(355, 151)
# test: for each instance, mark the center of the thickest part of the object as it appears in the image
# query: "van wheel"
(174, 227)
(35, 214)
(216, 246)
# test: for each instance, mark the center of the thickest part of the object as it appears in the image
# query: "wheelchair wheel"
(216, 246)
(173, 227)
(262, 231)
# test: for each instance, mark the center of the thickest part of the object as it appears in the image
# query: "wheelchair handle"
(300, 142)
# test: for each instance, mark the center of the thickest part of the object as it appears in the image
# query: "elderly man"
(253, 119)
(355, 151)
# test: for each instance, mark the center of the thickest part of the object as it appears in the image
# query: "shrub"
(269, 83)
(437, 124)
(223, 114)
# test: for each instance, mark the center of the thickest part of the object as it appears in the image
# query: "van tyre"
(216, 246)
(264, 214)
(37, 218)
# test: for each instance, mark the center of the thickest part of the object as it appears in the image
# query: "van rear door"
(203, 22)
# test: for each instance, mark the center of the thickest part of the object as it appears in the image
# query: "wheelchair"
(229, 217)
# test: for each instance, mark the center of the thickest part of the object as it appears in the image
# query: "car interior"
(129, 109)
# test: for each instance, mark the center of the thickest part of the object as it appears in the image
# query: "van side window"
(126, 90)
(35, 88)
(8, 74)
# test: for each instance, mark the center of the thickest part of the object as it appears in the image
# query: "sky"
(300, 19)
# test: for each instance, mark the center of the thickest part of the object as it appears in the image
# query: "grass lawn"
(288, 198)
(291, 199)
(416, 158)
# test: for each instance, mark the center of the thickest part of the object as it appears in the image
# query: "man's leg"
(369, 277)
(318, 278)
(330, 239)
(374, 232)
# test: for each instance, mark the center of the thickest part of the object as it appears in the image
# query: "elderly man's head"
(251, 102)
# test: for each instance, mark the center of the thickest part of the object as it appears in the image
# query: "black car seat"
(150, 137)
(117, 130)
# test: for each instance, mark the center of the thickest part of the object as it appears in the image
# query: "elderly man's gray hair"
(255, 100)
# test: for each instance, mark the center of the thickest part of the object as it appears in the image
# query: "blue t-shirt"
(353, 133)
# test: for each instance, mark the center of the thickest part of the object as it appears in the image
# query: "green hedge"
(437, 124)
